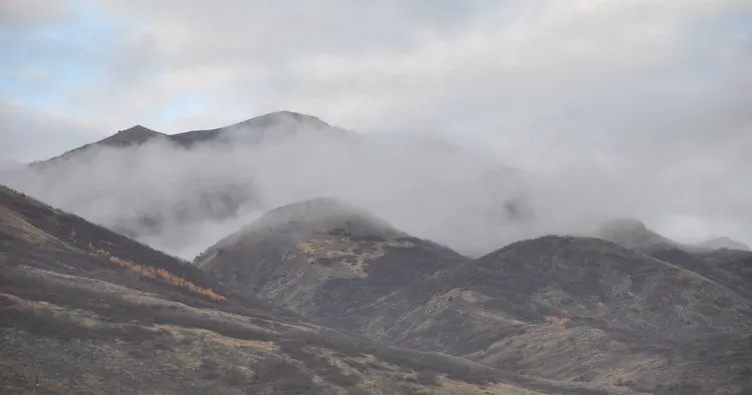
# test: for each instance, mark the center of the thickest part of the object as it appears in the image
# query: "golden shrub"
(551, 319)
(159, 274)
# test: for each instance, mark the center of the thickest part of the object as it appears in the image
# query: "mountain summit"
(281, 124)
(278, 117)
(322, 256)
(720, 243)
(631, 233)
(132, 136)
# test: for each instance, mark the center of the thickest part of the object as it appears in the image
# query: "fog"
(458, 194)
(424, 186)
(595, 109)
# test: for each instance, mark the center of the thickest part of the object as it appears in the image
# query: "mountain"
(631, 233)
(720, 243)
(271, 126)
(160, 188)
(86, 310)
(275, 125)
(563, 308)
(716, 259)
(579, 309)
(322, 257)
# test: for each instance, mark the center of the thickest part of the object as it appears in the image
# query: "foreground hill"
(564, 308)
(322, 257)
(91, 311)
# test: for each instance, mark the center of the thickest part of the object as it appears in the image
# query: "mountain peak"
(305, 220)
(631, 233)
(625, 223)
(720, 243)
(134, 135)
(323, 214)
(285, 117)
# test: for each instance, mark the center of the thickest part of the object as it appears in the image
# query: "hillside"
(579, 309)
(91, 311)
(563, 308)
(716, 259)
(322, 257)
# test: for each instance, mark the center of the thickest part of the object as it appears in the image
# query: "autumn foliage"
(551, 319)
(160, 274)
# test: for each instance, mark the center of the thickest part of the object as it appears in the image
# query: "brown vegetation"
(552, 319)
(159, 273)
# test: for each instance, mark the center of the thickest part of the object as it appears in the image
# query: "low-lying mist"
(184, 200)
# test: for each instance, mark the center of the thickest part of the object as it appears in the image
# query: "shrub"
(161, 274)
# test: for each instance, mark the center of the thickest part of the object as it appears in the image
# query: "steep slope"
(89, 311)
(726, 267)
(704, 259)
(322, 257)
(133, 136)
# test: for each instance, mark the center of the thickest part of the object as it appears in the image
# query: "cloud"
(31, 12)
(635, 107)
(426, 187)
(28, 134)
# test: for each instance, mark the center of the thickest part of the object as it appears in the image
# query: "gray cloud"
(27, 134)
(619, 107)
(31, 12)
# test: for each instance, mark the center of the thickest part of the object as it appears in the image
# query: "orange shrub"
(160, 274)
(551, 319)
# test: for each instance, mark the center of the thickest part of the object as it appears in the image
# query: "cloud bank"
(637, 108)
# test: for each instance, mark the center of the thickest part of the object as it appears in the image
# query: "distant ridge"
(631, 233)
(250, 131)
(723, 243)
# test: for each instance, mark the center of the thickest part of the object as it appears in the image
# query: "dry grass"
(350, 257)
(9, 219)
(177, 359)
(159, 273)
(557, 320)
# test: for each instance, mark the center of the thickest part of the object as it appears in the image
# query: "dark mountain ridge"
(272, 125)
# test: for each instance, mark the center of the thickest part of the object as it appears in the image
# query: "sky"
(644, 102)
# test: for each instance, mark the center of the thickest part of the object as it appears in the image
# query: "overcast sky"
(653, 94)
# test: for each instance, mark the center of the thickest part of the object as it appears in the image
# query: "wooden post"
(36, 386)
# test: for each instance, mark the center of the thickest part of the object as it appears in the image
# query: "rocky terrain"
(86, 310)
(567, 308)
